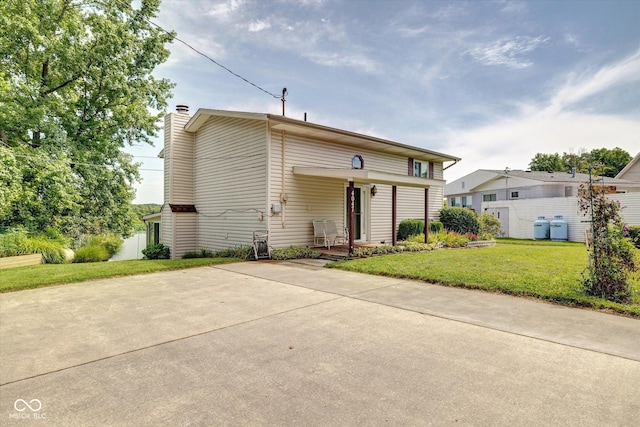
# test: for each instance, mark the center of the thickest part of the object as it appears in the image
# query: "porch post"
(394, 214)
(426, 215)
(350, 202)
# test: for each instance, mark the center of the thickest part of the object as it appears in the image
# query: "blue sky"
(492, 82)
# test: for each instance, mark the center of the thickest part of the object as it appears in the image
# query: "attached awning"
(152, 217)
(366, 176)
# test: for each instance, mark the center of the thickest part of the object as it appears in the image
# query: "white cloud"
(344, 59)
(223, 11)
(508, 52)
(580, 88)
(512, 142)
(259, 25)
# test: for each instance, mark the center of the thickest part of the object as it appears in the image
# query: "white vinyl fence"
(132, 248)
(522, 213)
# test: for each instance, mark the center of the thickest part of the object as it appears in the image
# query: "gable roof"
(630, 165)
(482, 176)
(325, 133)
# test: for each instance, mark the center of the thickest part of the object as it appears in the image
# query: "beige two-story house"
(228, 174)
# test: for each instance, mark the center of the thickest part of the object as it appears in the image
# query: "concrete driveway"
(291, 343)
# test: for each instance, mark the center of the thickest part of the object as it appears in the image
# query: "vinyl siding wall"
(178, 229)
(523, 213)
(313, 198)
(230, 181)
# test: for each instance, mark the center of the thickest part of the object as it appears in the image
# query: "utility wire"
(175, 37)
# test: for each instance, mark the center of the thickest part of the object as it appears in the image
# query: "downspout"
(283, 194)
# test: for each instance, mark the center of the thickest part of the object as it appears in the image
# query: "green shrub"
(410, 227)
(92, 253)
(57, 236)
(50, 244)
(460, 220)
(12, 242)
(405, 246)
(294, 252)
(634, 235)
(490, 227)
(435, 227)
(418, 238)
(110, 241)
(447, 239)
(202, 253)
(241, 252)
(157, 251)
(52, 251)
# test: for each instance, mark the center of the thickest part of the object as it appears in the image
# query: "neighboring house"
(631, 172)
(229, 174)
(518, 197)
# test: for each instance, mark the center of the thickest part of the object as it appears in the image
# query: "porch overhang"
(366, 176)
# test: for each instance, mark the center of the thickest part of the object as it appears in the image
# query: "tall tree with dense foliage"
(75, 89)
(607, 161)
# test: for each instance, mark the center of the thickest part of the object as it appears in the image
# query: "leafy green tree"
(76, 88)
(612, 161)
(609, 162)
(547, 162)
(46, 194)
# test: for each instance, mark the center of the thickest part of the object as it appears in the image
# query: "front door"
(359, 223)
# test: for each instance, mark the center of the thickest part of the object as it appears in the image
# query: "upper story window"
(417, 168)
(357, 162)
(489, 197)
(515, 194)
(421, 169)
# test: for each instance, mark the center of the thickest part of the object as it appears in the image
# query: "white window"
(417, 168)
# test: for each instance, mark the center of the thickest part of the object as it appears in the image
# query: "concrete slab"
(582, 328)
(212, 346)
(74, 324)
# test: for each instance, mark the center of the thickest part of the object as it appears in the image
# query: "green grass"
(15, 279)
(545, 270)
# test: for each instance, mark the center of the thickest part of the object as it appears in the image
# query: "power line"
(201, 53)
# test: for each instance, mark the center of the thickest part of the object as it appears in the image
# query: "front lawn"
(14, 279)
(546, 270)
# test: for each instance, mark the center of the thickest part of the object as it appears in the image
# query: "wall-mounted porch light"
(374, 191)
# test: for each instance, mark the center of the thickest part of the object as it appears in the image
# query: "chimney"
(182, 108)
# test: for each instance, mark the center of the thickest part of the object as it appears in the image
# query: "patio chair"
(319, 236)
(332, 236)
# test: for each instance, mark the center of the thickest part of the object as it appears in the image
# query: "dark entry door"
(357, 212)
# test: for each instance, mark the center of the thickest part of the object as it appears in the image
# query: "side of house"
(229, 174)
